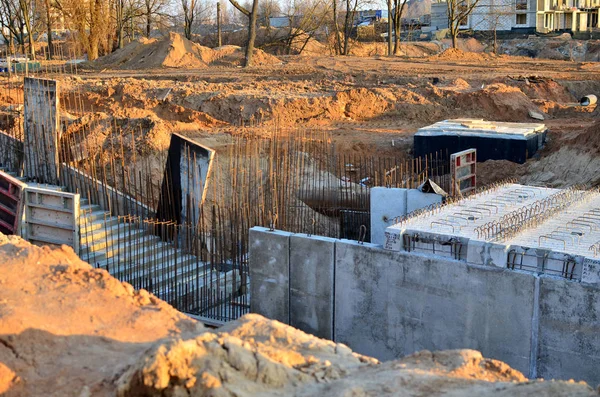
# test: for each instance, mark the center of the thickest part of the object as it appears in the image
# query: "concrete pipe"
(588, 100)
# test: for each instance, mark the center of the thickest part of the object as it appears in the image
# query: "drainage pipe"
(588, 100)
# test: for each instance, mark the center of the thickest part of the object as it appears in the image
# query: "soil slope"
(67, 329)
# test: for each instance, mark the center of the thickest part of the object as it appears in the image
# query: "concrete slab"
(269, 265)
(311, 284)
(569, 331)
(386, 204)
(390, 304)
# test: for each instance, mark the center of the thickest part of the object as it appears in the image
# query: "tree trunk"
(389, 6)
(219, 42)
(454, 39)
(338, 40)
(31, 46)
(251, 33)
(49, 30)
(148, 24)
(347, 28)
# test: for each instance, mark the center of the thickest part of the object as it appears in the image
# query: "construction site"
(417, 213)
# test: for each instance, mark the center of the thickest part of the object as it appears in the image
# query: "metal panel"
(11, 200)
(463, 168)
(51, 217)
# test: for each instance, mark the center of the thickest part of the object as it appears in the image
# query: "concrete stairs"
(132, 254)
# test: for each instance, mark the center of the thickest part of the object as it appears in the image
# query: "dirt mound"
(173, 51)
(67, 329)
(234, 56)
(455, 54)
(506, 103)
(588, 140)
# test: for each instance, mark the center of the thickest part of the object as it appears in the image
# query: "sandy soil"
(67, 329)
(369, 105)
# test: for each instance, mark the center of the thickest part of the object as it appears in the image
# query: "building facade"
(526, 16)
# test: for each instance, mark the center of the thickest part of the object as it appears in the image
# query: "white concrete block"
(476, 252)
(497, 254)
(415, 200)
(393, 239)
(591, 271)
(386, 204)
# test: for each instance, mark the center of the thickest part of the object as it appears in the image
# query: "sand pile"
(175, 51)
(506, 103)
(455, 54)
(231, 55)
(67, 329)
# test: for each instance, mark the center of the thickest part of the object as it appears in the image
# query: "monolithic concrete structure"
(493, 140)
(530, 228)
(392, 303)
(388, 204)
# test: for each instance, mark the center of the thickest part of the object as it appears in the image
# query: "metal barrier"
(11, 201)
(51, 217)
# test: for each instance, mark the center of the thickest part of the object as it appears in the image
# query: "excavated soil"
(369, 105)
(175, 51)
(67, 329)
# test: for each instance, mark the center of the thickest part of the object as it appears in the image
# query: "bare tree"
(48, 12)
(11, 24)
(458, 16)
(189, 14)
(153, 10)
(252, 16)
(92, 21)
(349, 21)
(389, 27)
(397, 12)
(17, 17)
(126, 11)
(305, 19)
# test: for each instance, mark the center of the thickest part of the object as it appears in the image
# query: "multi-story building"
(527, 16)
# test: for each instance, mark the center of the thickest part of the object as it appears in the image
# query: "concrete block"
(591, 271)
(415, 200)
(311, 284)
(393, 239)
(390, 304)
(386, 204)
(569, 331)
(487, 254)
(269, 264)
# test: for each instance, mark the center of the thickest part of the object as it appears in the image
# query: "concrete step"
(107, 229)
(141, 253)
(87, 227)
(89, 217)
(112, 253)
(152, 256)
(117, 241)
(225, 284)
(164, 273)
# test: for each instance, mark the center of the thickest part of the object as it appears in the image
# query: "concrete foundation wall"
(311, 278)
(391, 305)
(569, 331)
(388, 304)
(270, 273)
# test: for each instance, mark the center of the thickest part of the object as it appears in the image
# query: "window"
(521, 5)
(521, 19)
